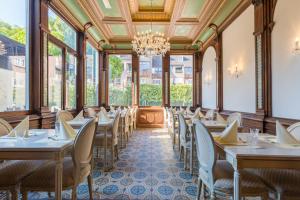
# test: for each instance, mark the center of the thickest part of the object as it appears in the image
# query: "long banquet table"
(47, 148)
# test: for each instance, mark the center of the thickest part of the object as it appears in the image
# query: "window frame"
(28, 68)
(108, 78)
(98, 76)
(183, 72)
(65, 49)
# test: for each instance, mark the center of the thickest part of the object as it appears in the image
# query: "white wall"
(239, 48)
(209, 86)
(286, 65)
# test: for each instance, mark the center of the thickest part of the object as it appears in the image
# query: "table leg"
(192, 150)
(237, 183)
(58, 179)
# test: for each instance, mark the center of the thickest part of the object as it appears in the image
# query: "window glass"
(120, 74)
(181, 80)
(71, 73)
(61, 30)
(92, 76)
(14, 55)
(54, 77)
(151, 81)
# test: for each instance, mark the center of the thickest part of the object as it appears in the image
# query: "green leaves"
(116, 67)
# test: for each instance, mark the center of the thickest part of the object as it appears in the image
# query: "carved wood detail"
(151, 117)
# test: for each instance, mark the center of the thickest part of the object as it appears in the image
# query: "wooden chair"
(217, 175)
(134, 117)
(185, 142)
(64, 114)
(112, 138)
(75, 168)
(173, 127)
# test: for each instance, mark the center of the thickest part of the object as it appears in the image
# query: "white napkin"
(112, 109)
(21, 129)
(188, 110)
(182, 109)
(79, 116)
(91, 112)
(66, 131)
(229, 135)
(283, 136)
(209, 114)
(220, 119)
(103, 116)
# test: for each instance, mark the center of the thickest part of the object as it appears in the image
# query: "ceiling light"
(106, 4)
(149, 43)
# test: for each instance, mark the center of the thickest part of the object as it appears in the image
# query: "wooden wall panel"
(150, 117)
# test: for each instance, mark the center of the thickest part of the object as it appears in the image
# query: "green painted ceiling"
(155, 28)
(192, 8)
(219, 18)
(114, 11)
(182, 30)
(119, 29)
(78, 13)
(147, 3)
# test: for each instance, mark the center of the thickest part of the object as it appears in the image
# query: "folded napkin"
(182, 109)
(220, 119)
(91, 112)
(103, 117)
(283, 136)
(112, 109)
(21, 129)
(79, 116)
(66, 131)
(188, 110)
(229, 135)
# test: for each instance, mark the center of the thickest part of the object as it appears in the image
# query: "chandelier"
(149, 43)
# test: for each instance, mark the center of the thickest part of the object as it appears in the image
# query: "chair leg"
(185, 159)
(74, 193)
(117, 152)
(112, 156)
(90, 184)
(14, 193)
(180, 153)
(24, 195)
(199, 189)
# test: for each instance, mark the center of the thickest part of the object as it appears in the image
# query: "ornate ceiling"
(116, 21)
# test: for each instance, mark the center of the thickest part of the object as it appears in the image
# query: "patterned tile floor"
(148, 169)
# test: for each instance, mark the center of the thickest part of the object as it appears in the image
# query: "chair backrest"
(294, 129)
(235, 117)
(127, 123)
(91, 112)
(206, 153)
(115, 127)
(103, 109)
(210, 114)
(182, 128)
(83, 150)
(172, 120)
(5, 127)
(64, 115)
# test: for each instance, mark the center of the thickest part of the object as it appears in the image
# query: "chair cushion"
(250, 184)
(284, 181)
(44, 177)
(13, 171)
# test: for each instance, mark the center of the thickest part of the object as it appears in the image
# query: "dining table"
(265, 152)
(41, 144)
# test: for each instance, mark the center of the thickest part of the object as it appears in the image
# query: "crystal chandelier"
(149, 43)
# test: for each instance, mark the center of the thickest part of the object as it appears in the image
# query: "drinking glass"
(57, 129)
(19, 135)
(254, 135)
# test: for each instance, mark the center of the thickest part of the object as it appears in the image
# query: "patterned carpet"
(147, 169)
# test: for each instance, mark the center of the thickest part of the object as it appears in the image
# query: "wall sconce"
(235, 71)
(207, 79)
(296, 50)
